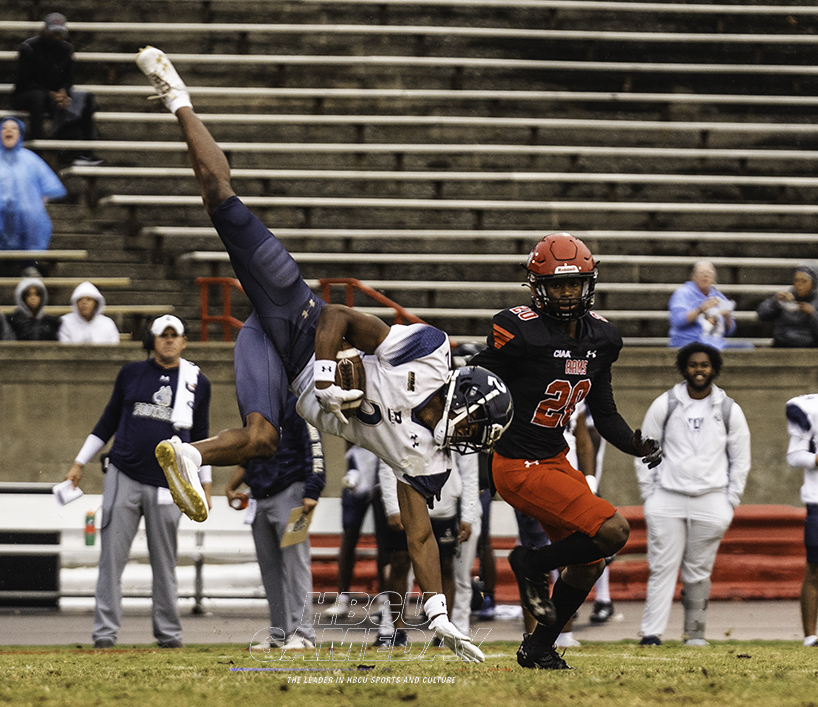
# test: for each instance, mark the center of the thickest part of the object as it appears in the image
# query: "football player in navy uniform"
(552, 356)
(415, 409)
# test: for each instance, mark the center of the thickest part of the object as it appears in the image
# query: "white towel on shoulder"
(182, 415)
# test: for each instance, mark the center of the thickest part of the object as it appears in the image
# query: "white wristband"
(92, 445)
(324, 371)
(206, 474)
(435, 606)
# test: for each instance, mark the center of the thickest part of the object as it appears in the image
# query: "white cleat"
(456, 641)
(170, 88)
(339, 609)
(182, 474)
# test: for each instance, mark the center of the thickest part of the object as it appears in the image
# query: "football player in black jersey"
(552, 355)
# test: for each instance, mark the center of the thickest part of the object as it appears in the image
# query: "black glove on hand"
(649, 447)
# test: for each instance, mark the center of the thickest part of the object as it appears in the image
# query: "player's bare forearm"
(421, 540)
(337, 322)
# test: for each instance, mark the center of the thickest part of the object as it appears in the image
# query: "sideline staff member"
(152, 399)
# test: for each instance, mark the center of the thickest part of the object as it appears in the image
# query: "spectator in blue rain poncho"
(26, 182)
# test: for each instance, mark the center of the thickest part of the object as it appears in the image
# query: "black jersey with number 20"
(548, 373)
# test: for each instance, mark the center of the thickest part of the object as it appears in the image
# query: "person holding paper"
(290, 480)
(152, 399)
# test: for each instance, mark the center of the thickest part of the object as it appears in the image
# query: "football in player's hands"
(349, 373)
(648, 448)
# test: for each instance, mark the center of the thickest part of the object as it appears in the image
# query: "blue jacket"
(682, 332)
(299, 457)
(25, 180)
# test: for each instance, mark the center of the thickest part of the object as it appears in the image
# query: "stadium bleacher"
(569, 122)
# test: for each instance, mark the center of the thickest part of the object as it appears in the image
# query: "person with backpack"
(691, 495)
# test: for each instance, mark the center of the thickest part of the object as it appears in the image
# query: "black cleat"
(603, 610)
(534, 591)
(650, 641)
(530, 655)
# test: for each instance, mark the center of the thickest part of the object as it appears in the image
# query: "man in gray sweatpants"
(294, 477)
(152, 399)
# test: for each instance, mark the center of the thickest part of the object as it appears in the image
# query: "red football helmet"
(560, 256)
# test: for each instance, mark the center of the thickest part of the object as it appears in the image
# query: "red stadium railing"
(228, 284)
(226, 318)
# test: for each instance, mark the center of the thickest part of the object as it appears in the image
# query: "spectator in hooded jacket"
(86, 324)
(28, 321)
(26, 182)
(794, 311)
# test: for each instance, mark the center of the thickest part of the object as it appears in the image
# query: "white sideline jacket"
(696, 463)
(802, 424)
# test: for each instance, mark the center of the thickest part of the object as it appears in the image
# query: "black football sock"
(567, 600)
(576, 549)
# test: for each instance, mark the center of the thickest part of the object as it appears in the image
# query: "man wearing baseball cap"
(44, 86)
(152, 400)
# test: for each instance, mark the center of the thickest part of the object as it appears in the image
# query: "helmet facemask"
(559, 308)
(475, 415)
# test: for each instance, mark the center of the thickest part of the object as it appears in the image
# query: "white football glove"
(333, 398)
(456, 641)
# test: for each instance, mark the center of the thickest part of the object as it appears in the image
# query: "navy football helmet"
(561, 256)
(477, 409)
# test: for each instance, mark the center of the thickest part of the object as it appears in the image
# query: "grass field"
(723, 674)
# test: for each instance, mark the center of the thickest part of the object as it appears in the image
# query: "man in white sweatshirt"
(86, 323)
(802, 424)
(690, 496)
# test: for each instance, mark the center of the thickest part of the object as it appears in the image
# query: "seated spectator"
(699, 312)
(28, 321)
(44, 83)
(794, 311)
(26, 181)
(87, 324)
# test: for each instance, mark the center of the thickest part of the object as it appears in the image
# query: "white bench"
(635, 288)
(222, 539)
(474, 121)
(574, 152)
(523, 236)
(502, 259)
(573, 5)
(134, 201)
(322, 95)
(49, 282)
(453, 176)
(152, 29)
(459, 63)
(55, 254)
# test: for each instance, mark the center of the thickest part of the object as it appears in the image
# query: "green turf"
(723, 674)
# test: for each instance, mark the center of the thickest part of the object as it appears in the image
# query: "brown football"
(349, 373)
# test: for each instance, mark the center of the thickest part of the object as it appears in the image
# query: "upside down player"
(415, 410)
(552, 356)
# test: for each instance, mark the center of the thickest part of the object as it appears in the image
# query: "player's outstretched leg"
(181, 468)
(209, 161)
